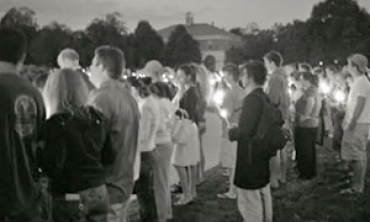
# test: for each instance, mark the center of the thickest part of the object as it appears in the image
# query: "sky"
(227, 14)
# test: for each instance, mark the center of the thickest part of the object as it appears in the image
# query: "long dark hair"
(189, 70)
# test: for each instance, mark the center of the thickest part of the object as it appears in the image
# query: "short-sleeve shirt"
(359, 88)
(301, 105)
(21, 115)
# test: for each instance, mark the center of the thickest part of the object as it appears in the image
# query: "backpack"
(270, 136)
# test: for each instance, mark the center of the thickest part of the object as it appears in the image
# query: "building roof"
(199, 29)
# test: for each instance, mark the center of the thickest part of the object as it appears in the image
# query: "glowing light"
(324, 88)
(124, 77)
(218, 97)
(134, 74)
(223, 113)
(212, 81)
(218, 78)
(165, 80)
(321, 63)
(340, 96)
(171, 76)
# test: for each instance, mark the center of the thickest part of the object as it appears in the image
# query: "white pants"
(255, 205)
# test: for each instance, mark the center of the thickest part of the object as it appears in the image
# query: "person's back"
(81, 139)
(21, 113)
(123, 117)
(278, 91)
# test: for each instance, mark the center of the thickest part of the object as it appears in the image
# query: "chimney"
(189, 19)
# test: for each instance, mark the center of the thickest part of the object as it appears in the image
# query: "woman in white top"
(164, 150)
(149, 123)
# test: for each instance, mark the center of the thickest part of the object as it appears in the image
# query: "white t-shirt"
(359, 88)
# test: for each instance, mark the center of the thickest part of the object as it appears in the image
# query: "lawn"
(298, 201)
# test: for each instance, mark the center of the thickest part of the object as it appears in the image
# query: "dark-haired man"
(21, 114)
(122, 112)
(278, 91)
(252, 173)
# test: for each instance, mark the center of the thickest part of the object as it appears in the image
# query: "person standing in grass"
(122, 112)
(278, 92)
(252, 172)
(356, 122)
(232, 106)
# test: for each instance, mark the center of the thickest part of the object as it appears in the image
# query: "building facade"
(213, 41)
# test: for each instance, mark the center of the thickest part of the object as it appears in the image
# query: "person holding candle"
(231, 110)
(356, 122)
(252, 172)
(306, 125)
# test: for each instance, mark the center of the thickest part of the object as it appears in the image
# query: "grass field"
(308, 201)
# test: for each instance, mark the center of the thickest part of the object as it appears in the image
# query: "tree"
(181, 48)
(83, 44)
(50, 40)
(23, 19)
(108, 31)
(149, 44)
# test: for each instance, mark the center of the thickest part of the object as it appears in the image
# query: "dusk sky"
(227, 14)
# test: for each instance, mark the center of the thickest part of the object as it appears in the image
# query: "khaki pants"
(255, 205)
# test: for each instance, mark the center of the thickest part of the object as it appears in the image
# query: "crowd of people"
(75, 145)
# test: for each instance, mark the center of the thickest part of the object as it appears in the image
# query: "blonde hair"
(64, 90)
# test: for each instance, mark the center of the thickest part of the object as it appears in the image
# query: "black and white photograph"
(184, 111)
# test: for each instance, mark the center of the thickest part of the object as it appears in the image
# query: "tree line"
(143, 45)
(334, 30)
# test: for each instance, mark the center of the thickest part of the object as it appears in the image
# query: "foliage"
(23, 19)
(181, 48)
(49, 41)
(149, 44)
(335, 29)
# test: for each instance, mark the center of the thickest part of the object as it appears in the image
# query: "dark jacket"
(254, 175)
(77, 149)
(21, 115)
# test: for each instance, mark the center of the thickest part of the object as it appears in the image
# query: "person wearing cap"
(356, 122)
(69, 59)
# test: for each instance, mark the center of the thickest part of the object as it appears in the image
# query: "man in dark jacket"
(21, 114)
(252, 173)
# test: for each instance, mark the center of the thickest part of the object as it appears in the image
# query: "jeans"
(92, 206)
(144, 188)
(162, 186)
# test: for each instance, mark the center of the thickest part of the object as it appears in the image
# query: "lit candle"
(218, 97)
(339, 96)
(223, 113)
(324, 88)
